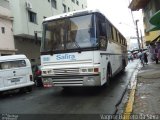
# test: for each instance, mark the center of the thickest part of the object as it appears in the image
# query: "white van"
(15, 73)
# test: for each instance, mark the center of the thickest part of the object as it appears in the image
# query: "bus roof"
(69, 14)
(12, 57)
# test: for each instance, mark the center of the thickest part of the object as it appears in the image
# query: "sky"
(119, 14)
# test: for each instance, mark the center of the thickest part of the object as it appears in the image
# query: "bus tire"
(66, 88)
(123, 65)
(108, 76)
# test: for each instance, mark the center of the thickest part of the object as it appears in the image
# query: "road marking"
(129, 105)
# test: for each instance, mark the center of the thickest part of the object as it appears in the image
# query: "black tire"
(66, 89)
(108, 76)
(38, 82)
(123, 66)
(1, 93)
(29, 89)
(25, 89)
(22, 90)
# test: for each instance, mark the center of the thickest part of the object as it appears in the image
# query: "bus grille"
(68, 82)
(66, 71)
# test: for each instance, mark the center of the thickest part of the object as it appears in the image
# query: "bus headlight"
(83, 70)
(89, 70)
(46, 72)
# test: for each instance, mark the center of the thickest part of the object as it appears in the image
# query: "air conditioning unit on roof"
(28, 5)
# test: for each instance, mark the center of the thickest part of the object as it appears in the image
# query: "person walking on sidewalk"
(157, 52)
(151, 49)
(145, 57)
(141, 57)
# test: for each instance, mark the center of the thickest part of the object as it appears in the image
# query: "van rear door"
(14, 72)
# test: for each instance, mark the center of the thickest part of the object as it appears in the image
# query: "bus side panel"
(112, 57)
(103, 66)
(100, 60)
(116, 57)
(1, 80)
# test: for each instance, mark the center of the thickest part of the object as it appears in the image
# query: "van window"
(12, 64)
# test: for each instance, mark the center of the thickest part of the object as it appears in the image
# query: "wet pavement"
(147, 92)
(82, 103)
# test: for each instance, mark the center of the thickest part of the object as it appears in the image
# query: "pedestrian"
(157, 52)
(151, 49)
(141, 57)
(145, 57)
(128, 58)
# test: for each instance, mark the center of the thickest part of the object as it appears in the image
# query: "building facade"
(149, 8)
(7, 46)
(28, 17)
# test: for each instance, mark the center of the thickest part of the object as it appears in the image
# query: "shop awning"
(156, 39)
(138, 4)
(154, 29)
(155, 19)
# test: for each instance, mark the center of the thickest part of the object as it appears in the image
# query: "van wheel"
(1, 93)
(29, 89)
(22, 90)
(26, 89)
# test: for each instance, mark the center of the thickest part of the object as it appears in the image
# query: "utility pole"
(141, 40)
(137, 35)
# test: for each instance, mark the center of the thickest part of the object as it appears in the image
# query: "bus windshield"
(69, 33)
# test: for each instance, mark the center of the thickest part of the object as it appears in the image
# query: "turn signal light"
(31, 78)
(96, 69)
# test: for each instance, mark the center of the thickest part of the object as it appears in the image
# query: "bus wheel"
(108, 76)
(66, 88)
(123, 65)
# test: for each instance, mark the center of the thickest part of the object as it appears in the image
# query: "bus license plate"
(15, 80)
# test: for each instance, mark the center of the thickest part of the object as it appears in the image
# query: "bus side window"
(109, 30)
(101, 31)
(101, 25)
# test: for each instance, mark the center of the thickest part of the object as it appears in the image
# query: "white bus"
(81, 48)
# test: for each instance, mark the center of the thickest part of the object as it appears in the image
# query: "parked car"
(36, 69)
(15, 73)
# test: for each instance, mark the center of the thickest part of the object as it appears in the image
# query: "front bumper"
(77, 80)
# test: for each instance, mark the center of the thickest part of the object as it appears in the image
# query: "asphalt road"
(88, 102)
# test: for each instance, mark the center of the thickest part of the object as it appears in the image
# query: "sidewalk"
(147, 94)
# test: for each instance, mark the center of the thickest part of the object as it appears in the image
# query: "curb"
(129, 105)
